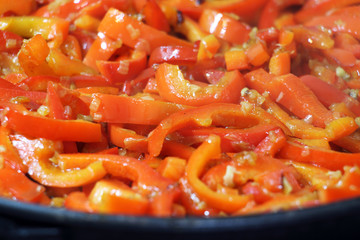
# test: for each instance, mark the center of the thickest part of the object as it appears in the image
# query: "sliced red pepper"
(115, 197)
(272, 143)
(11, 95)
(173, 87)
(232, 140)
(102, 48)
(312, 37)
(10, 42)
(118, 25)
(337, 23)
(55, 29)
(341, 57)
(19, 186)
(198, 160)
(38, 126)
(315, 8)
(78, 201)
(347, 42)
(154, 16)
(332, 160)
(240, 116)
(328, 94)
(36, 154)
(56, 109)
(291, 92)
(10, 157)
(38, 83)
(335, 194)
(124, 109)
(224, 27)
(123, 69)
(32, 57)
(178, 55)
(145, 178)
(192, 203)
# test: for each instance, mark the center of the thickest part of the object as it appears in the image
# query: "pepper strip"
(198, 160)
(241, 116)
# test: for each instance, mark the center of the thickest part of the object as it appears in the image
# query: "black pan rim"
(61, 216)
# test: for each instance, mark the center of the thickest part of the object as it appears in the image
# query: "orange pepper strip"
(336, 129)
(173, 87)
(38, 126)
(36, 153)
(324, 158)
(314, 8)
(280, 64)
(241, 116)
(12, 94)
(347, 24)
(118, 25)
(123, 69)
(19, 186)
(78, 201)
(32, 57)
(112, 196)
(10, 156)
(272, 143)
(282, 202)
(224, 27)
(147, 179)
(101, 49)
(197, 162)
(124, 109)
(232, 140)
(55, 29)
(319, 177)
(128, 139)
(291, 92)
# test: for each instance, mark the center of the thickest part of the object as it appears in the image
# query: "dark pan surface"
(341, 219)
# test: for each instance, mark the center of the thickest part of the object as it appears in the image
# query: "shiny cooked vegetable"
(173, 108)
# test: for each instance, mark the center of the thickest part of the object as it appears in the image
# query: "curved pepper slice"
(55, 29)
(240, 116)
(146, 180)
(37, 153)
(197, 162)
(173, 87)
(10, 157)
(179, 55)
(118, 25)
(18, 186)
(328, 94)
(37, 126)
(224, 27)
(291, 92)
(123, 69)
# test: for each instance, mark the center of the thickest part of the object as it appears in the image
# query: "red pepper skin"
(225, 114)
(173, 87)
(177, 55)
(292, 93)
(324, 158)
(38, 126)
(328, 94)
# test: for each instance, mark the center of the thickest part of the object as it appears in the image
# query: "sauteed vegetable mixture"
(172, 108)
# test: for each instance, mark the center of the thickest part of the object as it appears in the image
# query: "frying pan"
(19, 220)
